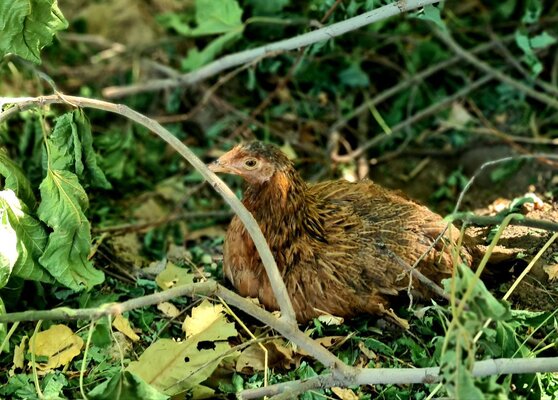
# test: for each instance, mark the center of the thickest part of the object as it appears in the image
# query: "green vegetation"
(97, 210)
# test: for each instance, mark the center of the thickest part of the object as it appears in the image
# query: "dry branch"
(277, 284)
(247, 56)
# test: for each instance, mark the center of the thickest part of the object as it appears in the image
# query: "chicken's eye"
(250, 163)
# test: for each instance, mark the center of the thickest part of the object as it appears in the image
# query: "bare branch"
(467, 56)
(403, 376)
(277, 284)
(233, 60)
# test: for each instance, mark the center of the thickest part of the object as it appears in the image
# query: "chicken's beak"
(217, 167)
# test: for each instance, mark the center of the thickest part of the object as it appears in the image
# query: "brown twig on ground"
(496, 220)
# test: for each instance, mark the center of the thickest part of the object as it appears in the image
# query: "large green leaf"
(16, 180)
(8, 247)
(70, 147)
(125, 386)
(26, 26)
(213, 17)
(62, 208)
(30, 238)
(93, 173)
(217, 16)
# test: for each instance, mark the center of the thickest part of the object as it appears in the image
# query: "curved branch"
(277, 284)
(233, 60)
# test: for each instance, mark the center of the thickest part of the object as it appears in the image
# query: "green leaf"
(16, 180)
(27, 26)
(62, 208)
(3, 328)
(433, 14)
(125, 386)
(217, 16)
(196, 58)
(481, 302)
(266, 7)
(212, 17)
(354, 76)
(70, 147)
(542, 40)
(30, 238)
(93, 173)
(533, 10)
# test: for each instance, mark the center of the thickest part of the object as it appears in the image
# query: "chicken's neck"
(285, 210)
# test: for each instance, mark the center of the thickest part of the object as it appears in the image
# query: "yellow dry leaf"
(58, 343)
(173, 366)
(168, 309)
(19, 355)
(253, 358)
(123, 325)
(173, 276)
(202, 317)
(344, 393)
(329, 319)
(552, 271)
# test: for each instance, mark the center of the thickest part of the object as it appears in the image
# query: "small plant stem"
(33, 361)
(249, 332)
(518, 280)
(8, 336)
(84, 361)
(496, 162)
(471, 287)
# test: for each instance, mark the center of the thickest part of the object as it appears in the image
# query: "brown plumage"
(338, 245)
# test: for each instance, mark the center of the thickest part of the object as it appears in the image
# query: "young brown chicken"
(339, 245)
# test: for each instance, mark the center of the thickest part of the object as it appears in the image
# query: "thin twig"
(413, 79)
(514, 60)
(496, 162)
(233, 60)
(467, 56)
(496, 220)
(277, 284)
(426, 112)
(163, 221)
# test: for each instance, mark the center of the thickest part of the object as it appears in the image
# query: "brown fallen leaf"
(168, 309)
(552, 271)
(252, 358)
